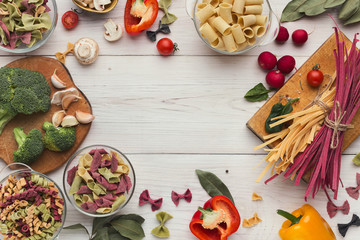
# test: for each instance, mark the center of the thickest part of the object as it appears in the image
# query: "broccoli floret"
(58, 139)
(30, 146)
(26, 91)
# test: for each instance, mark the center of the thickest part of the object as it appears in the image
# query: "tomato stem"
(316, 67)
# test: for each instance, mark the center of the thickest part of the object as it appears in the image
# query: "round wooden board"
(49, 160)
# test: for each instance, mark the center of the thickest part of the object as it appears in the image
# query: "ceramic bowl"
(107, 9)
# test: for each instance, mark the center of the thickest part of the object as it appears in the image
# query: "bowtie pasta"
(231, 25)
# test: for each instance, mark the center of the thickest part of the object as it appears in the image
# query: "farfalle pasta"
(30, 208)
(99, 182)
(231, 25)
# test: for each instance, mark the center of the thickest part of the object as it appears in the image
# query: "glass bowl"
(271, 28)
(22, 48)
(25, 170)
(107, 8)
(74, 161)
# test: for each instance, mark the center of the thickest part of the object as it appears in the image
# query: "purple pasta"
(96, 162)
(109, 186)
(71, 175)
(106, 163)
(110, 196)
(84, 189)
(127, 181)
(100, 150)
(114, 163)
(102, 202)
(89, 206)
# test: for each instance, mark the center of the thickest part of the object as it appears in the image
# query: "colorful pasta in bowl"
(99, 180)
(25, 25)
(233, 27)
(32, 206)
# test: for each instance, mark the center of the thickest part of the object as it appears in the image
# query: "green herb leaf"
(137, 218)
(291, 13)
(257, 93)
(356, 160)
(354, 18)
(288, 106)
(349, 8)
(333, 3)
(212, 184)
(99, 223)
(313, 7)
(276, 111)
(102, 234)
(128, 228)
(77, 226)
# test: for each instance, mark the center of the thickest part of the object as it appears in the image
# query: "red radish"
(275, 79)
(299, 36)
(283, 35)
(267, 60)
(286, 64)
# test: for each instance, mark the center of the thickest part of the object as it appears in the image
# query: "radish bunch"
(268, 61)
(299, 36)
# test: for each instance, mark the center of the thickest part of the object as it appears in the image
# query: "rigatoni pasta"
(231, 24)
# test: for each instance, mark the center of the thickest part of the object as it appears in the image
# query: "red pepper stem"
(289, 216)
(204, 211)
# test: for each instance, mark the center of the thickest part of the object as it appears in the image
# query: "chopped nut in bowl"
(99, 181)
(96, 6)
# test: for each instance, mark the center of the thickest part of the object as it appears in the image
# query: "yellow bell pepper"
(305, 223)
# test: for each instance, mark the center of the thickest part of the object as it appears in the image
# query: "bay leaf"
(102, 234)
(313, 7)
(128, 228)
(137, 218)
(349, 8)
(333, 3)
(99, 223)
(76, 227)
(212, 184)
(291, 13)
(354, 18)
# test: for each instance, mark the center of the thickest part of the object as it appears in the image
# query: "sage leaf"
(77, 226)
(212, 184)
(115, 235)
(313, 7)
(102, 234)
(257, 93)
(333, 3)
(128, 228)
(356, 160)
(348, 9)
(137, 218)
(291, 13)
(99, 223)
(354, 18)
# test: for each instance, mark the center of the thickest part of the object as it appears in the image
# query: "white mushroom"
(86, 50)
(69, 121)
(58, 96)
(113, 31)
(58, 117)
(56, 81)
(83, 117)
(100, 4)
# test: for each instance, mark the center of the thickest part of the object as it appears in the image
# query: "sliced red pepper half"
(140, 15)
(217, 220)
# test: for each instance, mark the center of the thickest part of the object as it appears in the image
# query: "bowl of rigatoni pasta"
(99, 180)
(233, 27)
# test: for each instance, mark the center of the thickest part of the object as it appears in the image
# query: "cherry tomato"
(166, 47)
(315, 77)
(70, 19)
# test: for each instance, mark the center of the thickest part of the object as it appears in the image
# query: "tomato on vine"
(315, 77)
(166, 47)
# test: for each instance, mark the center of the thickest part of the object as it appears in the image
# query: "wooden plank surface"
(49, 160)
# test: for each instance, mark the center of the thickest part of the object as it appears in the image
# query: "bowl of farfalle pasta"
(233, 27)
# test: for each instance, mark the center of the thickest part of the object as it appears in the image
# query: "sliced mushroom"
(113, 31)
(86, 50)
(69, 121)
(56, 81)
(58, 117)
(83, 117)
(68, 99)
(100, 4)
(58, 96)
(82, 3)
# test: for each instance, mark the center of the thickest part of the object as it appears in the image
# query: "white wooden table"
(172, 115)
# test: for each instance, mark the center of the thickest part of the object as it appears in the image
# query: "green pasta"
(87, 198)
(75, 185)
(78, 199)
(108, 175)
(39, 180)
(118, 202)
(3, 229)
(96, 188)
(18, 214)
(161, 231)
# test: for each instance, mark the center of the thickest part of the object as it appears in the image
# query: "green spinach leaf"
(257, 93)
(278, 110)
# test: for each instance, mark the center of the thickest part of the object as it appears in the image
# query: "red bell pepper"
(217, 220)
(140, 15)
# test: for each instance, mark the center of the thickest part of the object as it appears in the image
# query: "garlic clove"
(69, 121)
(58, 96)
(56, 81)
(68, 99)
(58, 117)
(83, 117)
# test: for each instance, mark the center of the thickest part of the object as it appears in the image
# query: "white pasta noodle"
(201, 6)
(238, 6)
(211, 20)
(238, 34)
(228, 1)
(254, 2)
(208, 32)
(261, 20)
(251, 41)
(253, 9)
(259, 31)
(229, 43)
(247, 20)
(204, 13)
(248, 32)
(241, 46)
(218, 43)
(214, 3)
(221, 26)
(235, 17)
(83, 173)
(225, 12)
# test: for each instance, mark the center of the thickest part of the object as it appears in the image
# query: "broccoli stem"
(5, 117)
(47, 125)
(20, 136)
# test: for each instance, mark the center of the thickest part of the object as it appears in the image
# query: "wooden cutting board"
(297, 86)
(49, 160)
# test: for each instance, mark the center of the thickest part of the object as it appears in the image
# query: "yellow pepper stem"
(289, 216)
